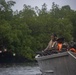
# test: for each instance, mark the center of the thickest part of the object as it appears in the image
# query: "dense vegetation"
(27, 31)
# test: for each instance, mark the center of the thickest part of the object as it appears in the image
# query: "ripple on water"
(20, 70)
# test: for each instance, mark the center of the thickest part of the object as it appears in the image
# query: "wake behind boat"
(58, 64)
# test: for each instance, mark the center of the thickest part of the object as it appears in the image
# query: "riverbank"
(14, 59)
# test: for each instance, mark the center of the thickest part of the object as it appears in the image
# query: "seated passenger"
(73, 46)
(62, 45)
(52, 45)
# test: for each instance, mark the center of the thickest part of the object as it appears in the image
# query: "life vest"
(73, 49)
(59, 46)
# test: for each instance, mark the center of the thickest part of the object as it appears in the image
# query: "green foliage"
(29, 30)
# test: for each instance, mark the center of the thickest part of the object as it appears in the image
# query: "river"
(19, 69)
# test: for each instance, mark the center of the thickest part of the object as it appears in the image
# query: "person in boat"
(52, 46)
(72, 46)
(62, 45)
(53, 43)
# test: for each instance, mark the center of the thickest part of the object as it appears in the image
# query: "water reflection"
(19, 69)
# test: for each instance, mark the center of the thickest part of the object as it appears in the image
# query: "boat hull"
(58, 64)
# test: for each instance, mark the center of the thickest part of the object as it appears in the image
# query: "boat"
(63, 63)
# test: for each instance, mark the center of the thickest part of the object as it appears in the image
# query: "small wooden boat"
(58, 64)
